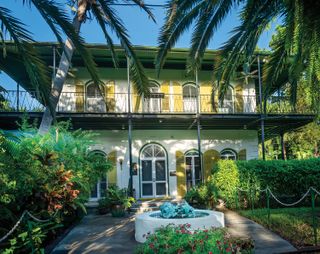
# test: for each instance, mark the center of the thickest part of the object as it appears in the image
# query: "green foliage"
(284, 178)
(179, 239)
(48, 175)
(226, 179)
(202, 196)
(119, 197)
(294, 224)
(295, 50)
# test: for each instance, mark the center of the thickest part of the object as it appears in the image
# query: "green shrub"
(48, 175)
(226, 179)
(179, 239)
(286, 179)
(202, 196)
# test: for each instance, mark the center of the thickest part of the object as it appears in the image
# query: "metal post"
(237, 200)
(268, 205)
(54, 63)
(261, 110)
(198, 125)
(18, 97)
(314, 222)
(129, 129)
(283, 151)
(252, 200)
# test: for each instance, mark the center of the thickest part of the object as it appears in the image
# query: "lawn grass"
(293, 224)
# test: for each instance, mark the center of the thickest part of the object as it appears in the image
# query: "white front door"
(153, 174)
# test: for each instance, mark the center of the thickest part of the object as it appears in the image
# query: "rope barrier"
(286, 204)
(21, 218)
(260, 190)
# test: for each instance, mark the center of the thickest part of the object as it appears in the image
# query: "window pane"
(91, 91)
(160, 171)
(148, 152)
(146, 170)
(161, 189)
(158, 151)
(94, 191)
(147, 189)
(197, 172)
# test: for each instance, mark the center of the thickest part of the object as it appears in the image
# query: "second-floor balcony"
(155, 103)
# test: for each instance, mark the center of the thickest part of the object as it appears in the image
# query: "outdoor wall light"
(135, 168)
(120, 162)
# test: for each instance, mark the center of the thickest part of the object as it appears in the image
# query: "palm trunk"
(58, 81)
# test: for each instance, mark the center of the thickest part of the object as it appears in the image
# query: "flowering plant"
(179, 239)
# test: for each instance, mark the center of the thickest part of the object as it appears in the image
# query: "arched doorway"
(98, 190)
(227, 105)
(190, 98)
(193, 169)
(152, 102)
(228, 154)
(153, 173)
(95, 101)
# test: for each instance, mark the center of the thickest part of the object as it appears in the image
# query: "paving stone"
(266, 242)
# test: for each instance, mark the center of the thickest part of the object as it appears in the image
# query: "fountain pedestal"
(150, 221)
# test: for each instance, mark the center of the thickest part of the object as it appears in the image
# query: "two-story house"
(171, 138)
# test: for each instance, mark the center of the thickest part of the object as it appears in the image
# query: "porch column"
(54, 62)
(129, 129)
(262, 115)
(18, 97)
(198, 124)
(283, 148)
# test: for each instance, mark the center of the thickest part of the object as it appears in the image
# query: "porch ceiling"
(274, 124)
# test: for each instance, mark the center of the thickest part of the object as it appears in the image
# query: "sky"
(141, 29)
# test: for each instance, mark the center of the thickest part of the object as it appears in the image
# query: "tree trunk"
(59, 80)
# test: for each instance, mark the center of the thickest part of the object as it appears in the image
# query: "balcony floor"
(274, 124)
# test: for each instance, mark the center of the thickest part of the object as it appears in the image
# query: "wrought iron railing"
(72, 102)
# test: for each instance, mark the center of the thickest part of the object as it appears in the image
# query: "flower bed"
(179, 239)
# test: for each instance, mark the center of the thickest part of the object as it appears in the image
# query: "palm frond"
(101, 19)
(177, 22)
(209, 20)
(38, 72)
(138, 76)
(56, 18)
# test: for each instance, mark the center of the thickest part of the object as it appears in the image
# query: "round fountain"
(176, 214)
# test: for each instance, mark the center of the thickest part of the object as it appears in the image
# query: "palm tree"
(57, 19)
(36, 69)
(295, 54)
(108, 19)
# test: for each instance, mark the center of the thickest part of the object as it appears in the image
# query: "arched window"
(228, 154)
(190, 97)
(153, 173)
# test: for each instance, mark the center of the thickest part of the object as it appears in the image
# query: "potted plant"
(120, 201)
(104, 205)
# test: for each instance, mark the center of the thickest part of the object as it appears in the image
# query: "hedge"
(284, 178)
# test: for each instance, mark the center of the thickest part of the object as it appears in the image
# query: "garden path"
(105, 234)
(99, 234)
(266, 242)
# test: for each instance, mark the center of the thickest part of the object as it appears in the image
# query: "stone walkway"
(265, 241)
(100, 234)
(105, 234)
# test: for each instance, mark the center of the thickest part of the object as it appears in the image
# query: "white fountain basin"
(145, 223)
